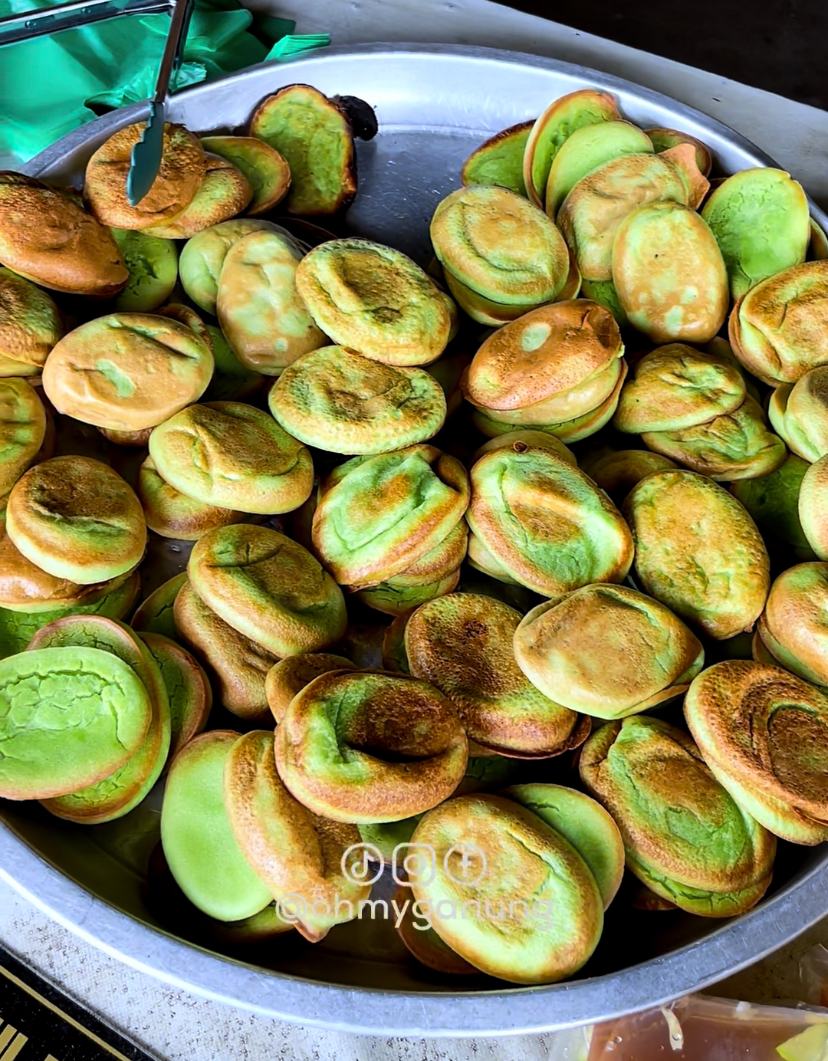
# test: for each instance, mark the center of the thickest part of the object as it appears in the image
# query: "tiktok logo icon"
(356, 863)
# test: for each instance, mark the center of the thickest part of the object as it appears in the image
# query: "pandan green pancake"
(773, 502)
(585, 150)
(155, 614)
(117, 794)
(559, 121)
(342, 402)
(188, 688)
(314, 135)
(152, 264)
(18, 628)
(30, 322)
(68, 717)
(266, 171)
(603, 292)
(761, 222)
(666, 139)
(584, 823)
(736, 445)
(202, 852)
(684, 834)
(500, 159)
(202, 256)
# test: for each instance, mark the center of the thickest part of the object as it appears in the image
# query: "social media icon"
(465, 863)
(413, 860)
(356, 863)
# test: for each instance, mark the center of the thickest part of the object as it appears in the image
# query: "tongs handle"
(173, 48)
(27, 25)
(145, 160)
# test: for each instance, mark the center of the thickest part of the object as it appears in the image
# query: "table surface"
(176, 1025)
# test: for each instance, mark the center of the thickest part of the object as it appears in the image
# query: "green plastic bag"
(51, 85)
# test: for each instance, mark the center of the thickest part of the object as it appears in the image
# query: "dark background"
(778, 45)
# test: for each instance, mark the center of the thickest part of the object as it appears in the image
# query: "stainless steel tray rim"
(513, 1011)
(725, 950)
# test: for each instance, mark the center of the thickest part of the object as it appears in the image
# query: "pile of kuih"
(671, 329)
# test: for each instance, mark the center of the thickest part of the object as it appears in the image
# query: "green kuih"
(723, 581)
(121, 791)
(545, 523)
(585, 150)
(472, 232)
(462, 645)
(203, 854)
(18, 628)
(152, 264)
(607, 651)
(731, 447)
(500, 159)
(793, 625)
(338, 282)
(555, 906)
(379, 515)
(188, 688)
(315, 137)
(799, 414)
(202, 256)
(779, 328)
(684, 835)
(30, 325)
(68, 718)
(342, 402)
(584, 823)
(155, 614)
(418, 754)
(665, 139)
(560, 120)
(773, 502)
(669, 273)
(761, 221)
(592, 213)
(266, 171)
(233, 456)
(269, 588)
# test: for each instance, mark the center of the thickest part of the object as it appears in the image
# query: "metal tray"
(434, 104)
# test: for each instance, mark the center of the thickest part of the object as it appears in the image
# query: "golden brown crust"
(768, 729)
(362, 493)
(288, 677)
(127, 371)
(238, 665)
(648, 782)
(293, 851)
(370, 747)
(779, 328)
(22, 429)
(462, 644)
(175, 515)
(224, 192)
(26, 587)
(182, 171)
(542, 355)
(47, 237)
(78, 519)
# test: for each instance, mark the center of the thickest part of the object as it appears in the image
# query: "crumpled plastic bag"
(50, 85)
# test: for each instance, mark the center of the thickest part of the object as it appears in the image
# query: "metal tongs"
(146, 154)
